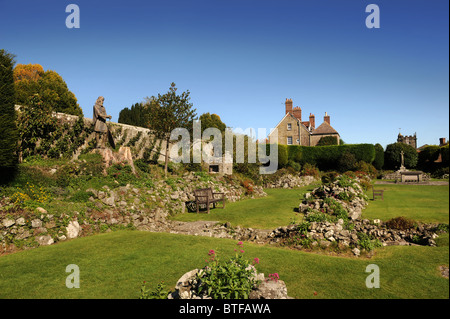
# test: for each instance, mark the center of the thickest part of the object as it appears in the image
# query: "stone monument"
(100, 128)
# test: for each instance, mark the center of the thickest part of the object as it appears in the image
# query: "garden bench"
(206, 196)
(378, 193)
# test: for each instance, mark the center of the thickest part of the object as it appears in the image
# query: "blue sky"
(242, 59)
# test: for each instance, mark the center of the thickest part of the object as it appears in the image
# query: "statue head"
(100, 100)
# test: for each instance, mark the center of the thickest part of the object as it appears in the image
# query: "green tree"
(212, 120)
(167, 112)
(378, 162)
(8, 129)
(135, 115)
(392, 156)
(31, 79)
(427, 156)
(35, 123)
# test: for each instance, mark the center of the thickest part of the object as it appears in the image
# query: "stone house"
(293, 131)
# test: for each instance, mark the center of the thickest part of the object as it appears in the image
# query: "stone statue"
(100, 127)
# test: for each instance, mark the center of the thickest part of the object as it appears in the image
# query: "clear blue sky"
(242, 59)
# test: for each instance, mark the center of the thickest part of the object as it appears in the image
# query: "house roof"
(323, 129)
(293, 117)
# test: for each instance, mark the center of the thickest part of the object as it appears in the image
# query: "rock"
(270, 289)
(44, 240)
(20, 221)
(8, 222)
(41, 210)
(356, 251)
(109, 201)
(50, 224)
(36, 223)
(73, 229)
(23, 233)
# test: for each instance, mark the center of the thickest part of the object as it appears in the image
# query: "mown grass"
(114, 265)
(278, 208)
(425, 203)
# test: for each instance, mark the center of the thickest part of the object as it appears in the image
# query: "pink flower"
(239, 243)
(241, 251)
(255, 261)
(211, 252)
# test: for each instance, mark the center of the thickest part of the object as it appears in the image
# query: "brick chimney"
(288, 104)
(297, 112)
(442, 141)
(312, 121)
(326, 118)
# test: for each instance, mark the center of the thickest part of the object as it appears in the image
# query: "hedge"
(327, 157)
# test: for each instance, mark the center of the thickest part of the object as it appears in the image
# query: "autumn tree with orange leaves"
(31, 79)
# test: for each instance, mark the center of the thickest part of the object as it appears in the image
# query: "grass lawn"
(114, 265)
(274, 210)
(425, 203)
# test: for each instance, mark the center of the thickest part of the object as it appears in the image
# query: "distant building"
(293, 131)
(410, 140)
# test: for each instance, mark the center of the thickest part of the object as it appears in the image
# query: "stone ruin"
(322, 207)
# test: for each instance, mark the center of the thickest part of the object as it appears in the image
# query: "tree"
(378, 162)
(133, 116)
(30, 79)
(167, 112)
(392, 156)
(212, 120)
(35, 124)
(8, 129)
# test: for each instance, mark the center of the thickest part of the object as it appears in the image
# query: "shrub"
(282, 155)
(366, 168)
(327, 140)
(294, 165)
(158, 293)
(329, 177)
(366, 243)
(310, 170)
(400, 223)
(327, 157)
(346, 162)
(445, 154)
(378, 162)
(123, 174)
(231, 279)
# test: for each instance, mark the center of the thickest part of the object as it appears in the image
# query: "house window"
(289, 140)
(289, 126)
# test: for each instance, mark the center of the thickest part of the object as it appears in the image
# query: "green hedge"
(327, 157)
(445, 154)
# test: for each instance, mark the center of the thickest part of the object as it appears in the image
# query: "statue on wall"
(100, 128)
